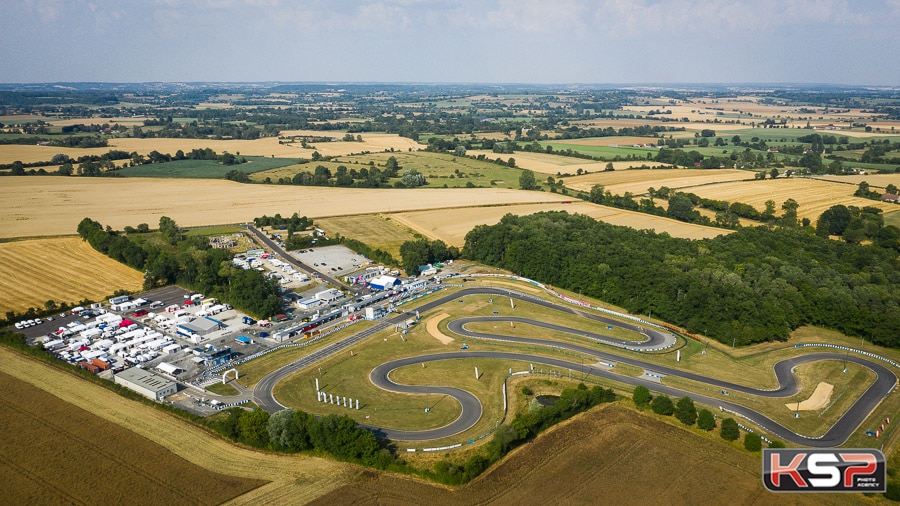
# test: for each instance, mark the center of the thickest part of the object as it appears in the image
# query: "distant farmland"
(452, 225)
(637, 181)
(35, 206)
(203, 169)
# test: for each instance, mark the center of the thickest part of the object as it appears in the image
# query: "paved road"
(287, 257)
(885, 381)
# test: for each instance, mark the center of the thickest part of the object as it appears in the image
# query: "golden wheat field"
(38, 206)
(637, 181)
(451, 226)
(293, 479)
(813, 195)
(268, 146)
(877, 182)
(551, 165)
(63, 269)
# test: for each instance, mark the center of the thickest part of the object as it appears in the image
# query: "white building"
(146, 383)
(330, 295)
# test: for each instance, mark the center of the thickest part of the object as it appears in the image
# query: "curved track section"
(835, 436)
(472, 410)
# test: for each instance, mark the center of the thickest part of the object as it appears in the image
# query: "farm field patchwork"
(208, 169)
(55, 453)
(813, 195)
(64, 269)
(637, 181)
(550, 165)
(451, 226)
(267, 146)
(54, 205)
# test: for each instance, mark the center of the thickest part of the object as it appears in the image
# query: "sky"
(854, 42)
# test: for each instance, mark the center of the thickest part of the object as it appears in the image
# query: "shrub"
(730, 430)
(662, 405)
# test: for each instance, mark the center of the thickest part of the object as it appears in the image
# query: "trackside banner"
(824, 470)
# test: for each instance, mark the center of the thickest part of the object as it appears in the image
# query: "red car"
(140, 312)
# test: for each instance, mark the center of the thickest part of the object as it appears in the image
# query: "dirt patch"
(432, 327)
(818, 400)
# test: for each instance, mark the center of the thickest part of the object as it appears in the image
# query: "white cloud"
(47, 10)
(641, 18)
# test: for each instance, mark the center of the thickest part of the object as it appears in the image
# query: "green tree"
(662, 405)
(769, 213)
(891, 188)
(254, 427)
(685, 411)
(833, 221)
(730, 430)
(706, 420)
(681, 208)
(752, 442)
(527, 180)
(776, 444)
(789, 208)
(597, 194)
(412, 178)
(169, 230)
(641, 396)
(391, 166)
(414, 254)
(281, 427)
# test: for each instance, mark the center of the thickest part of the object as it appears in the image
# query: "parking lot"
(332, 260)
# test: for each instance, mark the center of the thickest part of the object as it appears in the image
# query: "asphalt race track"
(471, 413)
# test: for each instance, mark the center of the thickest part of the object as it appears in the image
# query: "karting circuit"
(657, 339)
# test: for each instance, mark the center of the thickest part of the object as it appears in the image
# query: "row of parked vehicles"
(31, 323)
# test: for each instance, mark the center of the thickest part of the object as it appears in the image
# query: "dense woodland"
(190, 262)
(755, 285)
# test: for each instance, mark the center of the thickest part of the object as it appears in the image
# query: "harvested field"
(637, 181)
(451, 226)
(62, 454)
(877, 182)
(611, 453)
(550, 165)
(268, 146)
(377, 231)
(54, 205)
(64, 269)
(813, 195)
(294, 479)
(611, 141)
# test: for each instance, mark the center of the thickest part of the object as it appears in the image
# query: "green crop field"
(202, 169)
(440, 169)
(604, 152)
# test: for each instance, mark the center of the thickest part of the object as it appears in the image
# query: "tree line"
(754, 285)
(686, 412)
(173, 258)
